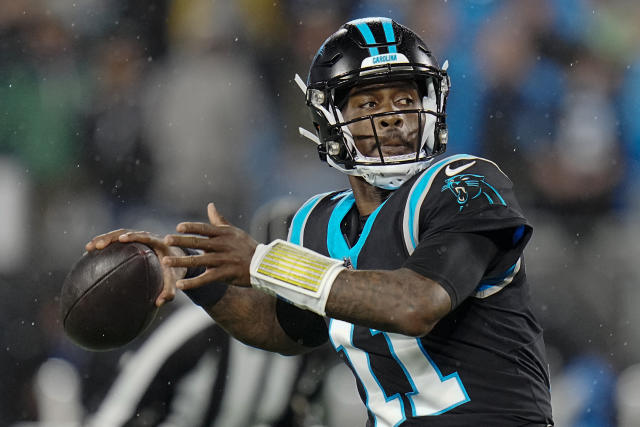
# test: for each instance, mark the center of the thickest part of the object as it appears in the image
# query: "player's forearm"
(250, 316)
(399, 301)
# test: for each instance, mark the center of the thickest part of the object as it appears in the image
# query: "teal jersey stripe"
(300, 219)
(336, 244)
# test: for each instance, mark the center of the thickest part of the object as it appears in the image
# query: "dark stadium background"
(136, 113)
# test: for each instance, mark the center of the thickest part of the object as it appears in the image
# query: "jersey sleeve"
(468, 194)
(302, 326)
(439, 258)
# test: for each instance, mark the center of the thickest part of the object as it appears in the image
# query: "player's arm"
(405, 300)
(401, 300)
(250, 316)
(443, 271)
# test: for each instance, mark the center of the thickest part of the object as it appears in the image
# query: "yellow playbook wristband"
(297, 274)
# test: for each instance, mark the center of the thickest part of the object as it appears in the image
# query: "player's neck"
(368, 197)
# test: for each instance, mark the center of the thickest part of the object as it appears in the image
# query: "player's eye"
(368, 104)
(405, 101)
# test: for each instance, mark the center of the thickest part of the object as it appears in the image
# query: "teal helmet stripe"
(368, 37)
(388, 33)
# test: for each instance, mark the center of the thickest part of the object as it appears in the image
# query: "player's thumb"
(214, 216)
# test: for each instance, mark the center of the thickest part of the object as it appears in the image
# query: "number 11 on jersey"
(431, 393)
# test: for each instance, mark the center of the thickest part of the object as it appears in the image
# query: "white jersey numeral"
(431, 393)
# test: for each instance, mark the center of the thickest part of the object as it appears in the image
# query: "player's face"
(398, 133)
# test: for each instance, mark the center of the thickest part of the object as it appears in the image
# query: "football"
(108, 297)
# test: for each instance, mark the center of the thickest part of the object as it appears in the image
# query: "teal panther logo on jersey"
(469, 186)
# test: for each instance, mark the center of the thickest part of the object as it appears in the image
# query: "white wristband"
(297, 274)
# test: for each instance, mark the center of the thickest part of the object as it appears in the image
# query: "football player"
(414, 275)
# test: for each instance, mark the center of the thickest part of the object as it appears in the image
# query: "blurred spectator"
(451, 29)
(43, 93)
(550, 106)
(576, 172)
(510, 62)
(117, 156)
(283, 51)
(207, 116)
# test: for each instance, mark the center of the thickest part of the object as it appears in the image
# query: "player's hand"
(162, 250)
(103, 240)
(227, 251)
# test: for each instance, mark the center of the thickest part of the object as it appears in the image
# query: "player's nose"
(390, 121)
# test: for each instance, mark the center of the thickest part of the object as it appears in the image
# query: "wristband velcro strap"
(297, 274)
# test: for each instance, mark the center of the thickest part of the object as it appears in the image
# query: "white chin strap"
(387, 177)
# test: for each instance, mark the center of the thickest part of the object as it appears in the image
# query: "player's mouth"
(391, 144)
(396, 150)
(396, 144)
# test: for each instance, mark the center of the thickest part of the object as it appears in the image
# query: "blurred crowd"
(136, 113)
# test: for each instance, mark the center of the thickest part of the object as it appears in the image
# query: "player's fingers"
(152, 240)
(186, 241)
(215, 218)
(210, 275)
(103, 240)
(168, 294)
(141, 237)
(209, 259)
(208, 244)
(201, 228)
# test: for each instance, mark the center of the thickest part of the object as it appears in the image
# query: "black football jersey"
(483, 363)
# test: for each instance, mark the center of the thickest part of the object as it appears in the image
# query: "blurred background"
(136, 113)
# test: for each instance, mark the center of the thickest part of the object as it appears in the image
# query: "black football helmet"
(367, 51)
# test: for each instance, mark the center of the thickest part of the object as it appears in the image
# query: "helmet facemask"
(335, 135)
